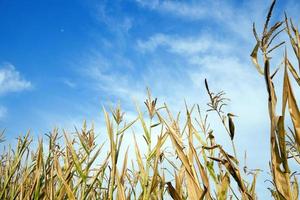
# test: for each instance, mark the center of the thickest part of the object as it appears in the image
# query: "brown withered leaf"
(172, 191)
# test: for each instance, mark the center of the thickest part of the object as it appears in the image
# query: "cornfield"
(182, 159)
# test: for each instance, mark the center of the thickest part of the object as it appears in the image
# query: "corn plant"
(284, 145)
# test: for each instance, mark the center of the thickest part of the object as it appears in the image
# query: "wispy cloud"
(192, 11)
(218, 11)
(112, 76)
(183, 45)
(11, 80)
(69, 83)
(117, 23)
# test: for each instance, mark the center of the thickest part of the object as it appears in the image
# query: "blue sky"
(61, 60)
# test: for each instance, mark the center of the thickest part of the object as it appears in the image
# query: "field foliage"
(176, 159)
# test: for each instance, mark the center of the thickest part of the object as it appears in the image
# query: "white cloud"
(116, 23)
(192, 11)
(112, 76)
(11, 80)
(183, 45)
(236, 20)
(239, 80)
